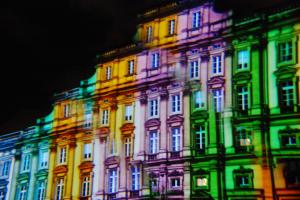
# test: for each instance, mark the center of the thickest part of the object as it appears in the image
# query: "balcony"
(152, 157)
(111, 196)
(134, 194)
(175, 154)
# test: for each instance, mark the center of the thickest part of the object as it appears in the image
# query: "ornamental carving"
(60, 169)
(175, 119)
(216, 82)
(127, 129)
(86, 166)
(152, 123)
(103, 131)
(246, 75)
(112, 160)
(176, 173)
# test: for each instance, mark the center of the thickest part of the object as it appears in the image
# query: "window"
(201, 181)
(242, 98)
(218, 100)
(135, 177)
(2, 195)
(154, 185)
(286, 96)
(292, 174)
(67, 110)
(149, 34)
(171, 27)
(87, 154)
(196, 20)
(198, 100)
(175, 139)
(112, 147)
(194, 69)
(285, 51)
(243, 178)
(176, 103)
(43, 159)
(155, 60)
(108, 73)
(62, 155)
(243, 59)
(25, 162)
(127, 147)
(22, 192)
(41, 190)
(153, 108)
(243, 140)
(175, 183)
(59, 195)
(200, 133)
(153, 142)
(288, 140)
(130, 67)
(113, 181)
(88, 120)
(86, 186)
(104, 120)
(216, 65)
(128, 113)
(5, 168)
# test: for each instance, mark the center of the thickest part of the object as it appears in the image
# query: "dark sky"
(48, 46)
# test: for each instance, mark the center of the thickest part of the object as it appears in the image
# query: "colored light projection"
(203, 105)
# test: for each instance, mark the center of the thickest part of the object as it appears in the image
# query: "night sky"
(49, 46)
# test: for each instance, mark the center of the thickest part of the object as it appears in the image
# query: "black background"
(48, 46)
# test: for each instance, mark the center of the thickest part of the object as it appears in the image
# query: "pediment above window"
(61, 169)
(152, 123)
(175, 119)
(285, 72)
(127, 129)
(216, 82)
(112, 160)
(242, 76)
(86, 166)
(175, 173)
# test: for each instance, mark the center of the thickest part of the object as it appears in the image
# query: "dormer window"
(149, 34)
(171, 27)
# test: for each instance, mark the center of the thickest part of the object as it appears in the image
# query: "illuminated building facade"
(203, 105)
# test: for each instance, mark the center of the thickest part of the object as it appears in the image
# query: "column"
(163, 112)
(140, 132)
(50, 180)
(187, 132)
(16, 169)
(70, 154)
(32, 180)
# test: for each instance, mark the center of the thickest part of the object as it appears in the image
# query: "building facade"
(203, 105)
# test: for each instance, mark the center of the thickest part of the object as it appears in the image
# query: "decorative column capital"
(143, 98)
(164, 94)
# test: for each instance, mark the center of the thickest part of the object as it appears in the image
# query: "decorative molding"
(175, 173)
(216, 82)
(86, 166)
(60, 169)
(127, 129)
(152, 122)
(112, 160)
(175, 119)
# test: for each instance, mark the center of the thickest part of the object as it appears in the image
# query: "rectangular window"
(135, 177)
(67, 110)
(41, 190)
(289, 140)
(113, 181)
(153, 108)
(216, 65)
(88, 120)
(155, 60)
(44, 159)
(171, 27)
(242, 98)
(243, 140)
(153, 142)
(108, 73)
(87, 152)
(285, 51)
(200, 134)
(243, 59)
(286, 95)
(130, 67)
(196, 20)
(86, 186)
(198, 100)
(22, 192)
(176, 139)
(25, 162)
(202, 181)
(194, 69)
(175, 183)
(218, 100)
(105, 115)
(127, 147)
(176, 103)
(291, 173)
(5, 168)
(62, 155)
(242, 181)
(59, 195)
(149, 34)
(128, 113)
